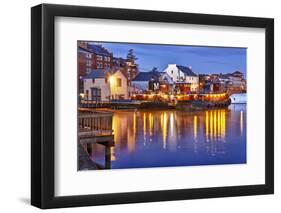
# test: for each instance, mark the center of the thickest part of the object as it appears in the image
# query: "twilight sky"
(201, 59)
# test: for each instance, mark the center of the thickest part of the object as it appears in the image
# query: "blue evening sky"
(201, 59)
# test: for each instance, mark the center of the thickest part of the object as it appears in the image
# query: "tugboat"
(204, 101)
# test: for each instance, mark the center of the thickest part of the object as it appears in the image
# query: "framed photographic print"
(138, 106)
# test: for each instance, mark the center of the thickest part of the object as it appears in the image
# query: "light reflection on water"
(157, 138)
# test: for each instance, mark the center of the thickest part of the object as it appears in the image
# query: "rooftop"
(98, 49)
(237, 73)
(96, 74)
(146, 76)
(186, 70)
(81, 49)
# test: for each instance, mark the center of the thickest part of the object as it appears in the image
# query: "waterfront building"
(237, 82)
(166, 83)
(127, 66)
(104, 85)
(93, 56)
(96, 86)
(184, 77)
(204, 83)
(101, 57)
(84, 66)
(84, 63)
(217, 83)
(118, 86)
(144, 81)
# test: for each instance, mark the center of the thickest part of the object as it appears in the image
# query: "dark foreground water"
(161, 138)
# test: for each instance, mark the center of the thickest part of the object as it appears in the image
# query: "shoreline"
(181, 106)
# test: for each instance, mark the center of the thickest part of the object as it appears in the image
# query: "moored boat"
(240, 98)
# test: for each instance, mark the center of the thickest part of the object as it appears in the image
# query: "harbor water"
(163, 138)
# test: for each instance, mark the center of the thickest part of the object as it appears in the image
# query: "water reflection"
(147, 138)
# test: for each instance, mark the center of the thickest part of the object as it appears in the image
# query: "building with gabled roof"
(141, 81)
(183, 75)
(104, 85)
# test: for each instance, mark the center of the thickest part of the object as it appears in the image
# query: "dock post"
(107, 157)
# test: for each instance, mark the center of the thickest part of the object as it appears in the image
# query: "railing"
(95, 123)
(95, 127)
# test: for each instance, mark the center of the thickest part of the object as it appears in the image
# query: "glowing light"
(82, 95)
(219, 124)
(211, 125)
(150, 121)
(144, 127)
(172, 123)
(215, 124)
(195, 127)
(135, 122)
(150, 96)
(207, 126)
(111, 80)
(132, 135)
(164, 129)
(115, 124)
(223, 125)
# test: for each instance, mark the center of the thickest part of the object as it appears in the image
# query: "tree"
(131, 56)
(154, 70)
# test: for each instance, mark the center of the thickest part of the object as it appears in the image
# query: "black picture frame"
(43, 105)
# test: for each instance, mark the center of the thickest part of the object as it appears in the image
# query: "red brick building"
(93, 56)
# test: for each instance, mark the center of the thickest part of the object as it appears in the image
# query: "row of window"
(88, 63)
(105, 58)
(100, 66)
(118, 82)
(182, 78)
(190, 78)
(99, 57)
(88, 69)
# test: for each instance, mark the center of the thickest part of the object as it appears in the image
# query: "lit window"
(119, 82)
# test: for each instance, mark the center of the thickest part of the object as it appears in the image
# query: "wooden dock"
(95, 127)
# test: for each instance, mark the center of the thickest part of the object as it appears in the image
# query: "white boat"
(240, 98)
